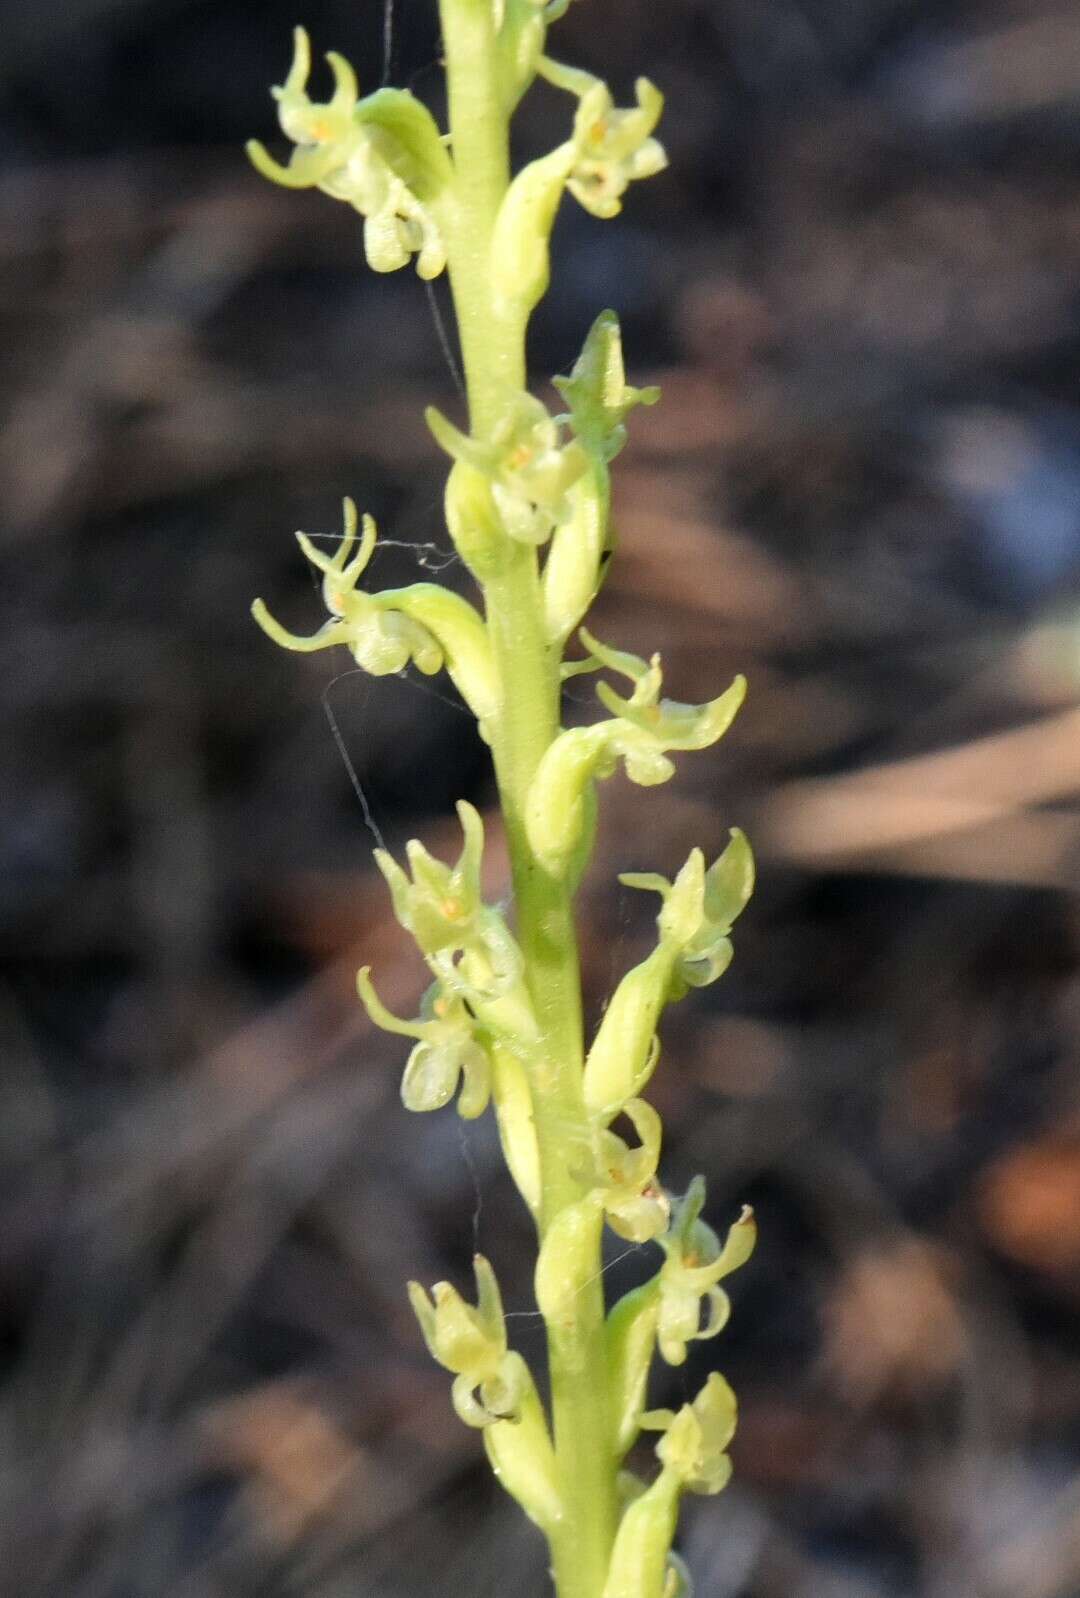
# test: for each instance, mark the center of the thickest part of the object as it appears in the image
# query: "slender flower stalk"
(528, 506)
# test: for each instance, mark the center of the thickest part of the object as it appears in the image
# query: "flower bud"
(630, 1337)
(572, 571)
(520, 245)
(567, 1263)
(473, 521)
(625, 1050)
(516, 1123)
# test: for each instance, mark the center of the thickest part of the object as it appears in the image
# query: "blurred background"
(859, 286)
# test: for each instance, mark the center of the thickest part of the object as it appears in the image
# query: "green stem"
(526, 723)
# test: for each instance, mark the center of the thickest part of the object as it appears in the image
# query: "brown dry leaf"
(294, 1459)
(892, 1323)
(1029, 1204)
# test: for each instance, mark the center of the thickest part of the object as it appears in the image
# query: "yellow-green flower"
(423, 623)
(694, 1440)
(349, 157)
(694, 1264)
(642, 729)
(597, 392)
(490, 1380)
(381, 640)
(530, 468)
(442, 906)
(448, 1050)
(699, 909)
(612, 146)
(624, 1178)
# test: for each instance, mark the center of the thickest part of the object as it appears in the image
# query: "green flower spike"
(611, 147)
(694, 1263)
(643, 727)
(624, 1178)
(693, 1446)
(529, 468)
(447, 1052)
(422, 623)
(491, 1382)
(363, 152)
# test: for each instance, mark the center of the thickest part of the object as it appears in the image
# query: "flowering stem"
(504, 1016)
(524, 726)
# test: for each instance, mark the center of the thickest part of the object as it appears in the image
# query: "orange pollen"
(521, 456)
(451, 909)
(440, 1007)
(599, 131)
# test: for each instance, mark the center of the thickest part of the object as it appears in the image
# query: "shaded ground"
(858, 287)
